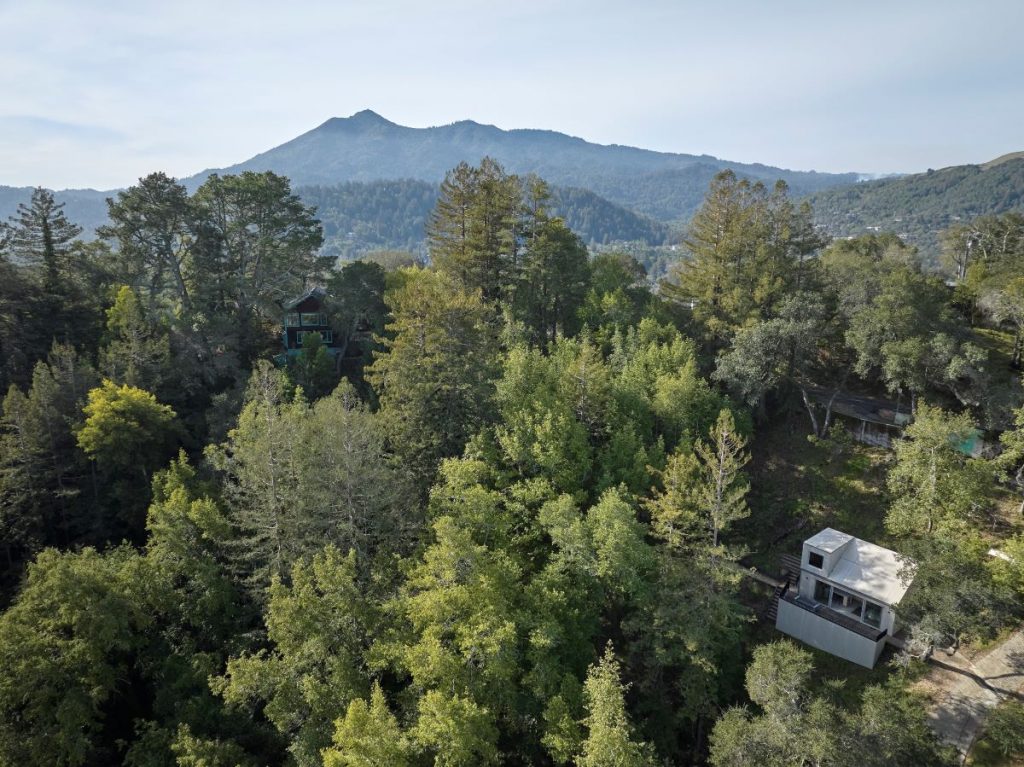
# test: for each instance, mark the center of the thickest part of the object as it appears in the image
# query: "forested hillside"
(368, 147)
(510, 525)
(918, 207)
(359, 217)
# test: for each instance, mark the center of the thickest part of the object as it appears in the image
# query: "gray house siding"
(803, 624)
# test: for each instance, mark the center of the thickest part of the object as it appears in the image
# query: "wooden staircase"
(790, 578)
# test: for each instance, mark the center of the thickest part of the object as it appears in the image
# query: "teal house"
(303, 317)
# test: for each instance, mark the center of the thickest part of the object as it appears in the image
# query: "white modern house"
(844, 596)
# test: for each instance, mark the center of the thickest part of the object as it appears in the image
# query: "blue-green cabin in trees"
(302, 317)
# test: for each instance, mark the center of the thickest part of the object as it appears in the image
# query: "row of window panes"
(842, 602)
(326, 335)
(308, 319)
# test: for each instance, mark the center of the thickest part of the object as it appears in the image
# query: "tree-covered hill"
(359, 217)
(367, 147)
(919, 206)
(86, 207)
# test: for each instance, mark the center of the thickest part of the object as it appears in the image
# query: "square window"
(873, 614)
(815, 560)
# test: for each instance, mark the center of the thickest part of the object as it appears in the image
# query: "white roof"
(829, 540)
(871, 570)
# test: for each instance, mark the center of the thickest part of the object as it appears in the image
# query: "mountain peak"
(366, 118)
(368, 115)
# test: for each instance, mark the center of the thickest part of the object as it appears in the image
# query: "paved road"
(966, 692)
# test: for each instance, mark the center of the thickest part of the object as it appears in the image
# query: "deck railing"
(833, 616)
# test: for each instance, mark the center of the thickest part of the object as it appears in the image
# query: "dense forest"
(516, 531)
(360, 217)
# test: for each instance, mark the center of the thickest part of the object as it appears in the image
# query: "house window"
(815, 560)
(291, 320)
(311, 319)
(822, 592)
(846, 603)
(873, 614)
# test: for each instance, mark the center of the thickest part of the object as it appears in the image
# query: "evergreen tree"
(610, 739)
(151, 224)
(473, 232)
(552, 281)
(721, 499)
(138, 353)
(435, 375)
(369, 736)
(319, 627)
(42, 239)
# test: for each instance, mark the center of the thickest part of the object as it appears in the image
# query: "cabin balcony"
(830, 630)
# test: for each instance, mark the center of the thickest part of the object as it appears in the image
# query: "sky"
(99, 93)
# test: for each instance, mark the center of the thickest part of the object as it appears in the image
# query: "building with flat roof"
(842, 599)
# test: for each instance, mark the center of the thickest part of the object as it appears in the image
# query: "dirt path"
(964, 692)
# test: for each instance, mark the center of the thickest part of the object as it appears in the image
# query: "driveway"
(964, 692)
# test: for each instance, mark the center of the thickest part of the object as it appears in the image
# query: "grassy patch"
(799, 486)
(1003, 724)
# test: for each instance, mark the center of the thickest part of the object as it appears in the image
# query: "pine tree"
(435, 375)
(723, 490)
(610, 739)
(41, 238)
(474, 230)
(369, 736)
(138, 353)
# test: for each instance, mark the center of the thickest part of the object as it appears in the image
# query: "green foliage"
(312, 368)
(797, 728)
(319, 626)
(1004, 728)
(458, 731)
(748, 245)
(552, 280)
(434, 377)
(362, 217)
(65, 646)
(921, 205)
(907, 335)
(47, 495)
(126, 428)
(369, 736)
(935, 486)
(472, 231)
(138, 353)
(721, 496)
(434, 580)
(610, 739)
(297, 477)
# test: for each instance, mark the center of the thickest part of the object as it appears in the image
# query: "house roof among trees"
(864, 567)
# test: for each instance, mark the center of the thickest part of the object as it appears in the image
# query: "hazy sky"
(98, 93)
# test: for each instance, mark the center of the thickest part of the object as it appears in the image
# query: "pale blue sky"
(99, 93)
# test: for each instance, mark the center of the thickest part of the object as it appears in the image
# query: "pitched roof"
(317, 293)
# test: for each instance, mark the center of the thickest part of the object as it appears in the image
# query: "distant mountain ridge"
(919, 206)
(374, 183)
(368, 147)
